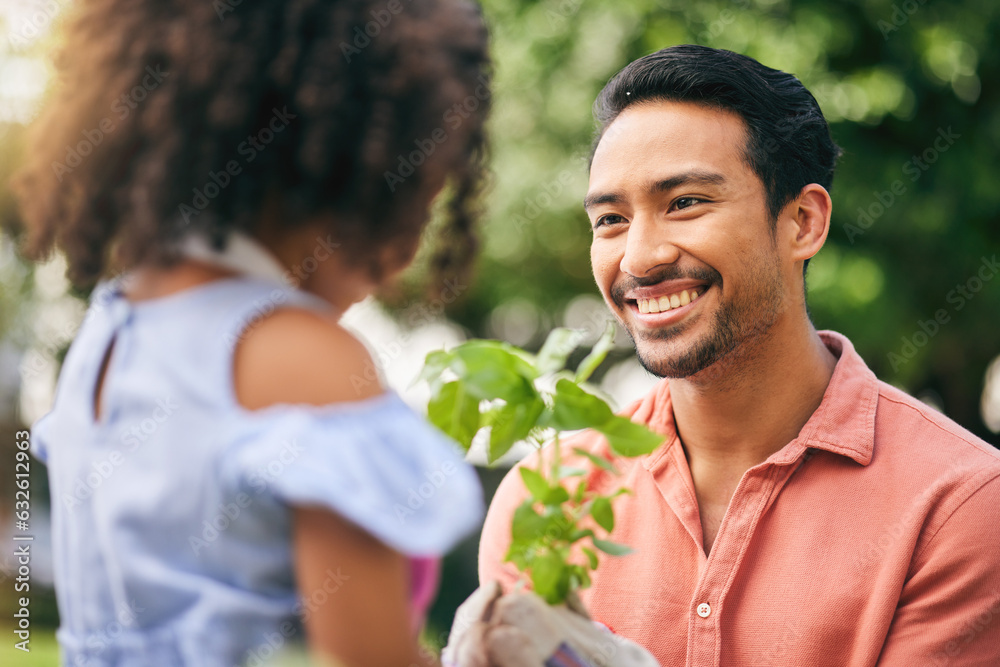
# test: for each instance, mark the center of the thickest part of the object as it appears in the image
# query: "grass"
(44, 649)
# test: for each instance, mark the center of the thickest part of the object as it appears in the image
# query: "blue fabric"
(171, 515)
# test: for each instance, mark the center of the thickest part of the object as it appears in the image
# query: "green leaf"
(518, 555)
(577, 535)
(578, 578)
(597, 354)
(435, 363)
(591, 557)
(455, 412)
(536, 484)
(612, 548)
(557, 348)
(573, 408)
(596, 460)
(527, 525)
(491, 370)
(628, 438)
(511, 423)
(556, 496)
(603, 514)
(550, 577)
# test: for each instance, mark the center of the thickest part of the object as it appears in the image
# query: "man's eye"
(610, 219)
(686, 202)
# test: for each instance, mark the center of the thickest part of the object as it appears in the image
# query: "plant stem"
(556, 460)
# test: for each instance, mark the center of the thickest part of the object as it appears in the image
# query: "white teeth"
(665, 303)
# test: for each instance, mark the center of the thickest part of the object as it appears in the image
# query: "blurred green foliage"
(892, 78)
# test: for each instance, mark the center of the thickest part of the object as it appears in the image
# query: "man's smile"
(664, 303)
(668, 301)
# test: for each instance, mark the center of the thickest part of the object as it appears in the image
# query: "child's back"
(171, 519)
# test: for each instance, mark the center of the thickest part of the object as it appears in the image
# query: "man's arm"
(949, 609)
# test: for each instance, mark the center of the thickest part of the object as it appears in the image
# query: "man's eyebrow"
(593, 200)
(686, 178)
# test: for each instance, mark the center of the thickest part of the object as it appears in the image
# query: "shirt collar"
(242, 253)
(844, 422)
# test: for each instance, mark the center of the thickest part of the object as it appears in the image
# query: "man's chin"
(673, 368)
(674, 357)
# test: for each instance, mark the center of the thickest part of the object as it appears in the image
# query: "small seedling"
(519, 396)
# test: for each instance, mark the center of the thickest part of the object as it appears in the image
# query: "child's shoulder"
(298, 355)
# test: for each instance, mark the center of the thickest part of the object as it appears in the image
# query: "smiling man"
(800, 512)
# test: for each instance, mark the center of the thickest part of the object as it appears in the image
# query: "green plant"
(523, 397)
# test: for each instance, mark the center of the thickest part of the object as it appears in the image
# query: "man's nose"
(647, 246)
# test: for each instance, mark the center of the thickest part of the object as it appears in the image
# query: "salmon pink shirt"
(872, 538)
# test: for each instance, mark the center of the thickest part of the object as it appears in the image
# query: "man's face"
(683, 249)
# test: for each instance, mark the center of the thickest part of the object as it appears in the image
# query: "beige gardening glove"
(521, 630)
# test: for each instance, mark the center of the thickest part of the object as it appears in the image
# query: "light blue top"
(170, 516)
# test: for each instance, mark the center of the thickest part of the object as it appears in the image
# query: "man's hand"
(522, 630)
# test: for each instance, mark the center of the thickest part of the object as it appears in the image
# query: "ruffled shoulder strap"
(374, 462)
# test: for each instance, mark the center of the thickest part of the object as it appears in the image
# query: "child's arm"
(365, 622)
(297, 356)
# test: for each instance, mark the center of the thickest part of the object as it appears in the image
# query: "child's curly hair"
(173, 115)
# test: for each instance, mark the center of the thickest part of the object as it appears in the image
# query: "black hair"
(788, 140)
(347, 90)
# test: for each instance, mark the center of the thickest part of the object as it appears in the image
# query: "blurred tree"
(916, 210)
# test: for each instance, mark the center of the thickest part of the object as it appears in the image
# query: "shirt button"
(704, 610)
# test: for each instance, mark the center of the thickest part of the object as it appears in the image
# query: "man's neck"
(733, 417)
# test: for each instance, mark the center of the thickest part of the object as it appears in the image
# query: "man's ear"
(805, 222)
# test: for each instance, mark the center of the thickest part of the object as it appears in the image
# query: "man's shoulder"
(902, 421)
